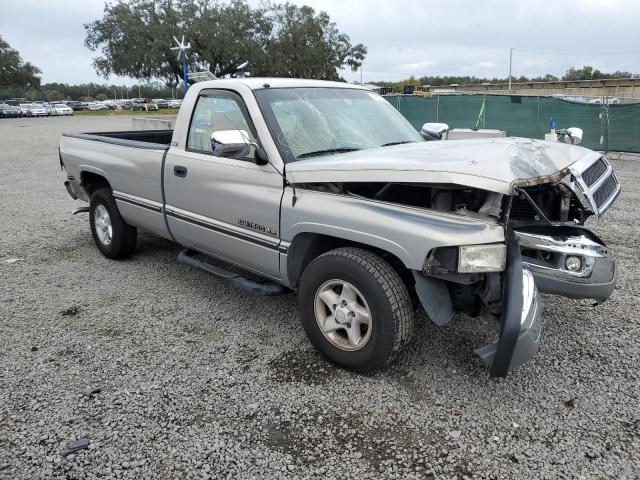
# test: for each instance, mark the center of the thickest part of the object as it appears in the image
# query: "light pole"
(182, 52)
(510, 63)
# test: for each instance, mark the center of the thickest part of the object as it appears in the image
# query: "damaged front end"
(548, 250)
(564, 257)
(509, 295)
(549, 192)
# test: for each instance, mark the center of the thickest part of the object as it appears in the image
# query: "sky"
(403, 37)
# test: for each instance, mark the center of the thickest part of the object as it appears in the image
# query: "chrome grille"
(606, 191)
(597, 182)
(592, 174)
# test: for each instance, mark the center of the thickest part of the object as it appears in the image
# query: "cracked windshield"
(324, 121)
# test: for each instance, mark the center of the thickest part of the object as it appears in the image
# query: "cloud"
(439, 38)
(417, 65)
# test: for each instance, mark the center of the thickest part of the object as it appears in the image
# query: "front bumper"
(520, 321)
(545, 251)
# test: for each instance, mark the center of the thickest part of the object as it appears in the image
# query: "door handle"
(180, 171)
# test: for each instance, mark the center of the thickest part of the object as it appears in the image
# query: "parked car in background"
(175, 103)
(110, 105)
(8, 111)
(160, 102)
(51, 108)
(76, 106)
(95, 106)
(36, 110)
(24, 109)
(60, 109)
(143, 104)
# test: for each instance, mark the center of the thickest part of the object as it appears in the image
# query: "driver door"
(225, 207)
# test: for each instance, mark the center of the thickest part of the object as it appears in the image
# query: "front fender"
(406, 232)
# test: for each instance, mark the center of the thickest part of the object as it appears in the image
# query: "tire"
(383, 294)
(114, 238)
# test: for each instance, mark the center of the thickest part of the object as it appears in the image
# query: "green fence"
(615, 127)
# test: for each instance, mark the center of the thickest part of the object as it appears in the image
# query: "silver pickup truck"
(325, 189)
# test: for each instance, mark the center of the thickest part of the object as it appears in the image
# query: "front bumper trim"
(596, 279)
(520, 322)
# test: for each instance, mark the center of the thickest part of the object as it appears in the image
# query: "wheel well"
(92, 182)
(305, 247)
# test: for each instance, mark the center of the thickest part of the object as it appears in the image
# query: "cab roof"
(258, 83)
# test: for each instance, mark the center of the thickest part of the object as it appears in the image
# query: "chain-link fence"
(609, 123)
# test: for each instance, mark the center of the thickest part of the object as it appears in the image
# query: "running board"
(187, 257)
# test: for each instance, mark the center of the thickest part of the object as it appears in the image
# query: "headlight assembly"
(482, 258)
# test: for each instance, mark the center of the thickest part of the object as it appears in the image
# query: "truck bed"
(132, 162)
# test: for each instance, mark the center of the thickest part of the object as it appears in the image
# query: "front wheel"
(113, 236)
(355, 308)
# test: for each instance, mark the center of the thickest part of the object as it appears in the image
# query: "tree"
(14, 72)
(585, 73)
(134, 39)
(304, 44)
(545, 78)
(589, 73)
(225, 36)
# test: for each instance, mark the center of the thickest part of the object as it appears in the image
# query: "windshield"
(327, 121)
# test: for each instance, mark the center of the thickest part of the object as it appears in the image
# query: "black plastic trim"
(511, 308)
(242, 236)
(99, 137)
(555, 286)
(137, 203)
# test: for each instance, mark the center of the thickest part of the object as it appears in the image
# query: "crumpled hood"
(494, 164)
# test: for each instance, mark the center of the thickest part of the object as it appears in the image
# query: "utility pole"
(361, 74)
(510, 63)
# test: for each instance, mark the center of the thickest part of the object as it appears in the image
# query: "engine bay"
(553, 202)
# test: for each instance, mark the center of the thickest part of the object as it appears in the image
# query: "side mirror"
(236, 144)
(434, 131)
(573, 135)
(230, 143)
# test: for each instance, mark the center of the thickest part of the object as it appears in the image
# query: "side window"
(215, 112)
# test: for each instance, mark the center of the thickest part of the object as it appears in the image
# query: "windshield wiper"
(397, 143)
(328, 150)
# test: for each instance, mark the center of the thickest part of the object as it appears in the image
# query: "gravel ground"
(168, 373)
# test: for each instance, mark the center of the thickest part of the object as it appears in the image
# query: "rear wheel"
(355, 308)
(113, 236)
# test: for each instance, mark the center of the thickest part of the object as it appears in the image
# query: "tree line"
(587, 72)
(86, 92)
